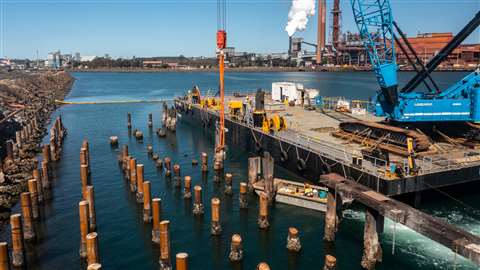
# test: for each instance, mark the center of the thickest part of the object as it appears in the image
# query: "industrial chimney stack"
(336, 24)
(322, 14)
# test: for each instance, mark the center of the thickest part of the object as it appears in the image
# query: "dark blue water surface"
(125, 241)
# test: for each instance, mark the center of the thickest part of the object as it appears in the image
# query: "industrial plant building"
(347, 48)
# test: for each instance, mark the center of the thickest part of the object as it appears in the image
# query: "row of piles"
(88, 224)
(152, 208)
(23, 225)
(134, 174)
(25, 140)
(168, 122)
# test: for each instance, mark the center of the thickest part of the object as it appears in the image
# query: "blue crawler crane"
(459, 102)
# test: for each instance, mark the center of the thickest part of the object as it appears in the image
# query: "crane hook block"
(221, 39)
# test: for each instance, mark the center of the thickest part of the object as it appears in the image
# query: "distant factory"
(427, 45)
(347, 48)
(344, 49)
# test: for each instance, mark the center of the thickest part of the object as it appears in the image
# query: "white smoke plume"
(298, 15)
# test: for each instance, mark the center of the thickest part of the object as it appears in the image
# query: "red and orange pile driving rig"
(221, 45)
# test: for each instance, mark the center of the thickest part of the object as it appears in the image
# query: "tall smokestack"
(336, 23)
(290, 46)
(322, 14)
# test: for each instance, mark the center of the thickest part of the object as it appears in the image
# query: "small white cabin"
(282, 91)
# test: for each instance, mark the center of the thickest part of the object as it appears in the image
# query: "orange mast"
(221, 65)
(221, 45)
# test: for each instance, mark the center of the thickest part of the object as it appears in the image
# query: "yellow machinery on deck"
(274, 124)
(235, 109)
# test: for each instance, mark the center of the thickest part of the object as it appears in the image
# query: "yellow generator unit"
(235, 108)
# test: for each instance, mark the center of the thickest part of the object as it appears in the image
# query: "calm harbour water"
(125, 241)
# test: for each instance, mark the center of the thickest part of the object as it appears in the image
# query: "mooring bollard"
(90, 198)
(28, 231)
(45, 175)
(194, 162)
(138, 135)
(35, 163)
(182, 261)
(17, 240)
(133, 174)
(129, 121)
(94, 266)
(161, 132)
(187, 190)
(197, 204)
(124, 156)
(168, 168)
(23, 136)
(236, 249)
(38, 179)
(372, 250)
(150, 120)
(139, 194)
(126, 171)
(29, 129)
(177, 180)
(32, 189)
(92, 248)
(204, 159)
(9, 150)
(293, 240)
(253, 170)
(243, 197)
(263, 266)
(147, 211)
(84, 226)
(149, 149)
(113, 140)
(331, 218)
(159, 164)
(84, 157)
(157, 214)
(217, 177)
(45, 153)
(18, 139)
(263, 212)
(155, 157)
(216, 227)
(164, 246)
(15, 150)
(84, 179)
(330, 263)
(218, 161)
(228, 184)
(4, 259)
(216, 166)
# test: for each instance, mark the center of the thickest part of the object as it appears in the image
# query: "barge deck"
(312, 150)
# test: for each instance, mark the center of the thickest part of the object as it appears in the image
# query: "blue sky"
(126, 28)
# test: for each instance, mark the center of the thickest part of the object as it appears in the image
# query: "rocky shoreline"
(27, 101)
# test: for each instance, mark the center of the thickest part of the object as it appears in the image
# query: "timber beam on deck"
(458, 240)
